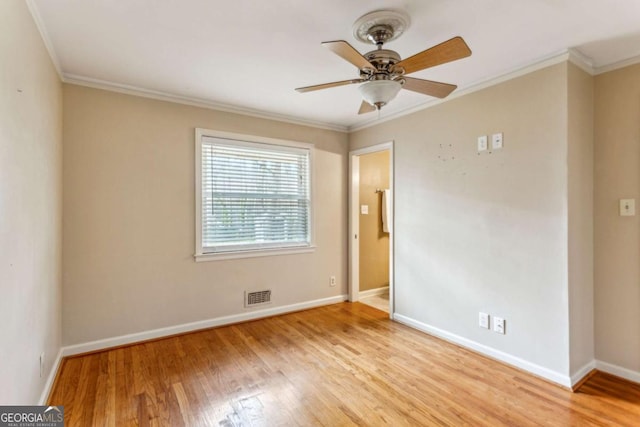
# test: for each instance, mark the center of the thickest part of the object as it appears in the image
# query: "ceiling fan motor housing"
(384, 61)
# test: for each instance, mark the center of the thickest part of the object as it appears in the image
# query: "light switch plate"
(364, 209)
(496, 141)
(627, 207)
(483, 320)
(498, 325)
(482, 143)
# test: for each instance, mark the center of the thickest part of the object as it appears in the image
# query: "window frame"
(242, 140)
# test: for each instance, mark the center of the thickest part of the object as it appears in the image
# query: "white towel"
(386, 211)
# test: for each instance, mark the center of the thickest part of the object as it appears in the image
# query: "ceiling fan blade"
(328, 85)
(365, 107)
(437, 89)
(448, 51)
(348, 53)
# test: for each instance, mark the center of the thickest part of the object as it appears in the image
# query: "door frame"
(354, 221)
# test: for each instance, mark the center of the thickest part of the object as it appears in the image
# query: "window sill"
(253, 253)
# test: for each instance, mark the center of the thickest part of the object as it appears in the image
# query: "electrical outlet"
(498, 325)
(41, 364)
(484, 320)
(332, 281)
(496, 141)
(627, 207)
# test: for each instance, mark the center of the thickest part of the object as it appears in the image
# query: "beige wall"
(485, 232)
(30, 207)
(374, 243)
(129, 219)
(617, 239)
(580, 210)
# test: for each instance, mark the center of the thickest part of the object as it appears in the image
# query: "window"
(253, 196)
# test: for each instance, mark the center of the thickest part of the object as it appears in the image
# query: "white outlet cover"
(482, 143)
(498, 325)
(627, 207)
(496, 141)
(364, 209)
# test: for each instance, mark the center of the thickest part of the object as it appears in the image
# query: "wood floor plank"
(340, 365)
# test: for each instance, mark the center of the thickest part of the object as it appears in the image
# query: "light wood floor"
(340, 365)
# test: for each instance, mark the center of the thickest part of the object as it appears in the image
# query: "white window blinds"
(254, 196)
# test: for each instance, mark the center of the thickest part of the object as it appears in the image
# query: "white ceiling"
(251, 54)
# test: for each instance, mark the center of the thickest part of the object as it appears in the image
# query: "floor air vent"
(257, 298)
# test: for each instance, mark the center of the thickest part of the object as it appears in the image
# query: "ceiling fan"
(382, 71)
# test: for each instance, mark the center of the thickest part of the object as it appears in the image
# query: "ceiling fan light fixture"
(379, 92)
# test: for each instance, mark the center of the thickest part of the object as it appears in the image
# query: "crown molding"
(571, 55)
(582, 61)
(37, 19)
(617, 65)
(194, 102)
(162, 96)
(545, 62)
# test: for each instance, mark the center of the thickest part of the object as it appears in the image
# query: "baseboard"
(541, 371)
(53, 373)
(618, 371)
(582, 375)
(373, 292)
(121, 340)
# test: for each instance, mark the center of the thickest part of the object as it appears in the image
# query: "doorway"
(371, 226)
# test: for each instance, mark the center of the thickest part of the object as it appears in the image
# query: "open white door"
(354, 221)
